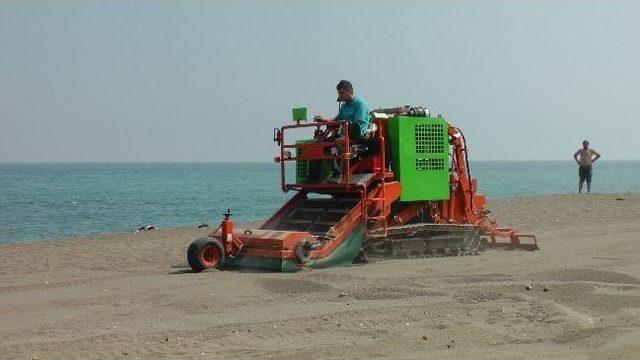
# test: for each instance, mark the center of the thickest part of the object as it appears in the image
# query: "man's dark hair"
(344, 84)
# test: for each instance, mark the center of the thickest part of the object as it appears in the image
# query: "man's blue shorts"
(585, 173)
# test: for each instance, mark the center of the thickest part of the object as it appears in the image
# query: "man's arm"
(597, 156)
(575, 156)
(320, 118)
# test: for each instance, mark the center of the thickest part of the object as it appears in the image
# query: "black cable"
(466, 159)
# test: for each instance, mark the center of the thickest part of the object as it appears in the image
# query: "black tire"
(205, 253)
(303, 252)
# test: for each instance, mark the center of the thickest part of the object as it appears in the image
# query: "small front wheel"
(204, 253)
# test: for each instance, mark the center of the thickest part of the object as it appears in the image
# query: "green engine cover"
(419, 151)
(302, 166)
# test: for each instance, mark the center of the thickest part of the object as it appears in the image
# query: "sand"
(128, 296)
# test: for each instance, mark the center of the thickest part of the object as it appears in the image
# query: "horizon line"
(239, 161)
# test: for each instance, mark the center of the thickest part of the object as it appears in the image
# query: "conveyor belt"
(316, 216)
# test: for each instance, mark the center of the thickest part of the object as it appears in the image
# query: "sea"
(49, 201)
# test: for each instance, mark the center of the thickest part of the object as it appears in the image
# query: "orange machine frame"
(465, 205)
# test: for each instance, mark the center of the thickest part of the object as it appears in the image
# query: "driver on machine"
(353, 110)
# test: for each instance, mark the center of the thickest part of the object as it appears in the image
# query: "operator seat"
(366, 142)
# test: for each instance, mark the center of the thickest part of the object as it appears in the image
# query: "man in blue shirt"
(353, 110)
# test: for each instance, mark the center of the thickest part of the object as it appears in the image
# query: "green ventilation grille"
(429, 139)
(430, 164)
(302, 168)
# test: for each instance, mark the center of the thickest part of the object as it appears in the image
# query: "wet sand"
(126, 296)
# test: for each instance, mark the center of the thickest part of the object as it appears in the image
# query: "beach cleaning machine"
(402, 190)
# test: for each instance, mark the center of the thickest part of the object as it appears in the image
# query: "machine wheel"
(204, 253)
(303, 252)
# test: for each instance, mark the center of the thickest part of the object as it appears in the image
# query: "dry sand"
(130, 296)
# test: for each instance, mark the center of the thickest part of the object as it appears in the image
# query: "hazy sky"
(208, 81)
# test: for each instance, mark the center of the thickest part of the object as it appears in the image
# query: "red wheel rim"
(209, 255)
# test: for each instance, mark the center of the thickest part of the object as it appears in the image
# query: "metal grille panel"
(428, 138)
(430, 164)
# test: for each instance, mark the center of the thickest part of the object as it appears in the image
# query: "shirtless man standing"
(584, 158)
